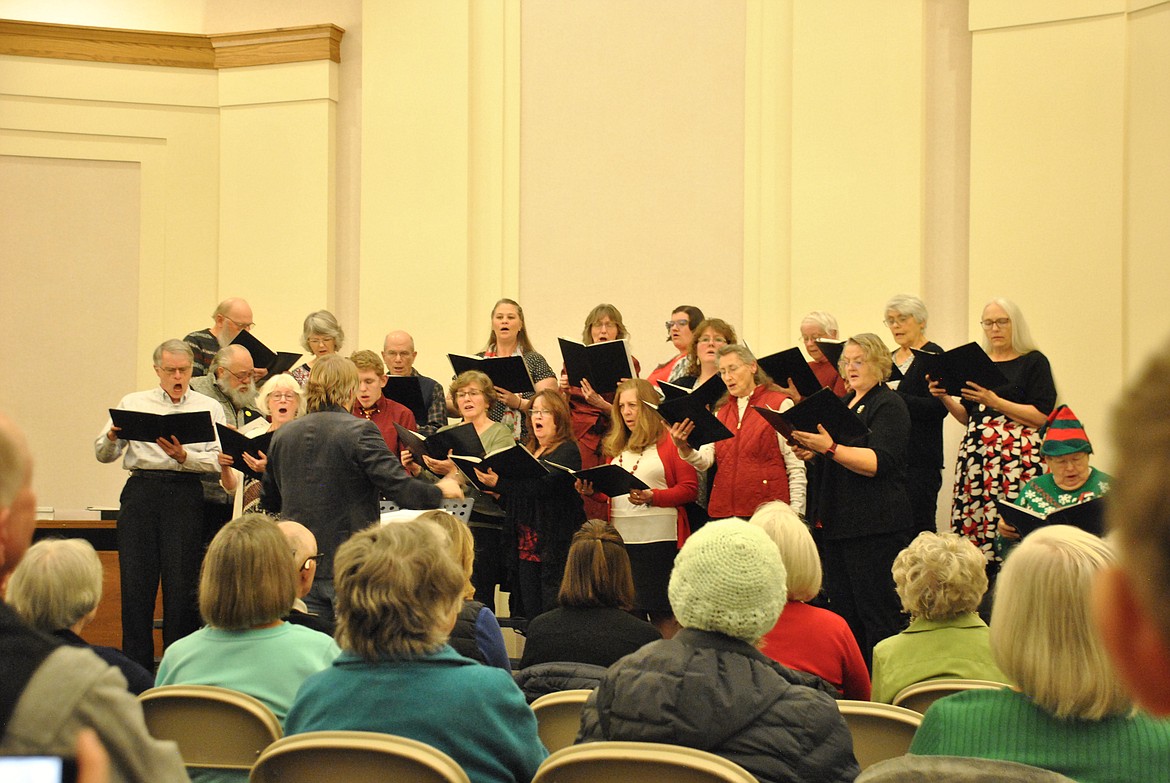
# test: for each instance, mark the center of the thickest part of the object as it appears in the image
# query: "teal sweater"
(1006, 725)
(475, 714)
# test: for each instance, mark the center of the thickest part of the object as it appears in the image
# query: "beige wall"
(778, 155)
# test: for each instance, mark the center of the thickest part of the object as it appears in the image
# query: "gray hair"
(324, 323)
(908, 304)
(282, 381)
(172, 346)
(822, 319)
(58, 582)
(1021, 335)
(223, 357)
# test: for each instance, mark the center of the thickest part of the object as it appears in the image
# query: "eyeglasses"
(311, 559)
(467, 394)
(897, 319)
(988, 323)
(604, 325)
(242, 377)
(679, 322)
(319, 340)
(288, 396)
(247, 327)
(541, 412)
(856, 364)
(719, 339)
(185, 370)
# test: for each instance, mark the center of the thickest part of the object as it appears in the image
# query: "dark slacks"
(160, 535)
(490, 568)
(922, 485)
(861, 587)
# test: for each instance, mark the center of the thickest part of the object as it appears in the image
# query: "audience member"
(160, 521)
(477, 633)
(592, 623)
(940, 579)
(809, 638)
(399, 354)
(56, 589)
(247, 585)
(370, 404)
(1132, 594)
(709, 687)
(399, 594)
(327, 468)
(231, 316)
(321, 335)
(305, 556)
(1070, 714)
(52, 694)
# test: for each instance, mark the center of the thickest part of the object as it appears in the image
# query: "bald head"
(17, 500)
(304, 545)
(231, 316)
(398, 353)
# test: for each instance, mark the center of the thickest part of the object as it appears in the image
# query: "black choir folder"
(790, 365)
(506, 372)
(832, 349)
(604, 364)
(462, 440)
(706, 395)
(954, 368)
(708, 429)
(612, 480)
(824, 408)
(406, 390)
(1088, 516)
(234, 444)
(194, 427)
(264, 357)
(514, 462)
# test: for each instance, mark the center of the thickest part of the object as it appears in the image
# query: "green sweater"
(1006, 725)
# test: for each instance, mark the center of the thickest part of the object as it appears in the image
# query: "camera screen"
(31, 769)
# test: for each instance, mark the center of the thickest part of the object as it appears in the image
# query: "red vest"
(750, 466)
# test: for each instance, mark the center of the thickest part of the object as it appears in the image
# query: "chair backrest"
(645, 762)
(558, 717)
(355, 757)
(880, 731)
(921, 695)
(956, 769)
(214, 727)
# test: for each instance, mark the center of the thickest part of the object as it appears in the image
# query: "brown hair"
(474, 378)
(597, 571)
(368, 360)
(248, 576)
(599, 312)
(332, 381)
(522, 338)
(721, 327)
(694, 317)
(555, 402)
(647, 430)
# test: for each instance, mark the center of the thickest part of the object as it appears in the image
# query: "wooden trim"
(176, 50)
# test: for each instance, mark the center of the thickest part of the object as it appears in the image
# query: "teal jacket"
(476, 714)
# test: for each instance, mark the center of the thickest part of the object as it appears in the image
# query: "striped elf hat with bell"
(1064, 434)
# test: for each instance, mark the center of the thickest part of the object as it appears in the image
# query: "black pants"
(160, 534)
(489, 569)
(861, 587)
(922, 485)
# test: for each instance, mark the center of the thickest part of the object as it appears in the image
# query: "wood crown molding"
(176, 50)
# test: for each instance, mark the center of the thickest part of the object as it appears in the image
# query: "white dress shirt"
(201, 457)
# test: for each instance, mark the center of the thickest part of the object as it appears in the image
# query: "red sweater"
(819, 642)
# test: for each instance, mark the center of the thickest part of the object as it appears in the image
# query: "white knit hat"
(729, 578)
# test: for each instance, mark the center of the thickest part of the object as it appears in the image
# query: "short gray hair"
(58, 582)
(223, 357)
(172, 346)
(324, 323)
(940, 576)
(822, 319)
(282, 381)
(907, 304)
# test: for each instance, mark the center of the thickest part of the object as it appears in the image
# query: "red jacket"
(682, 485)
(750, 466)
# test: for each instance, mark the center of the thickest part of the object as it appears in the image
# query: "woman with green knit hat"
(1069, 479)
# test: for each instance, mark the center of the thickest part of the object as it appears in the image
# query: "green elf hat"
(1064, 434)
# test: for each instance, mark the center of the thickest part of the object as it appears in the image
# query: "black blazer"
(927, 414)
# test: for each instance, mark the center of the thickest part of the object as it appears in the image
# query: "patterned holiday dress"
(999, 455)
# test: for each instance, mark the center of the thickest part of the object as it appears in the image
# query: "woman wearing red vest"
(755, 466)
(652, 522)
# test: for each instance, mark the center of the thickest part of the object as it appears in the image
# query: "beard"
(241, 398)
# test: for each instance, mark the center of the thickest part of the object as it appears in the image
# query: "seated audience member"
(54, 697)
(808, 638)
(398, 597)
(1070, 714)
(57, 588)
(1131, 595)
(304, 560)
(592, 623)
(709, 687)
(246, 585)
(477, 633)
(940, 578)
(541, 678)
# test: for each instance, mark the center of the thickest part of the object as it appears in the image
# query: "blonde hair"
(462, 544)
(332, 381)
(873, 353)
(397, 590)
(522, 338)
(324, 323)
(368, 360)
(599, 312)
(58, 582)
(276, 383)
(474, 378)
(647, 429)
(796, 545)
(248, 576)
(940, 576)
(1042, 633)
